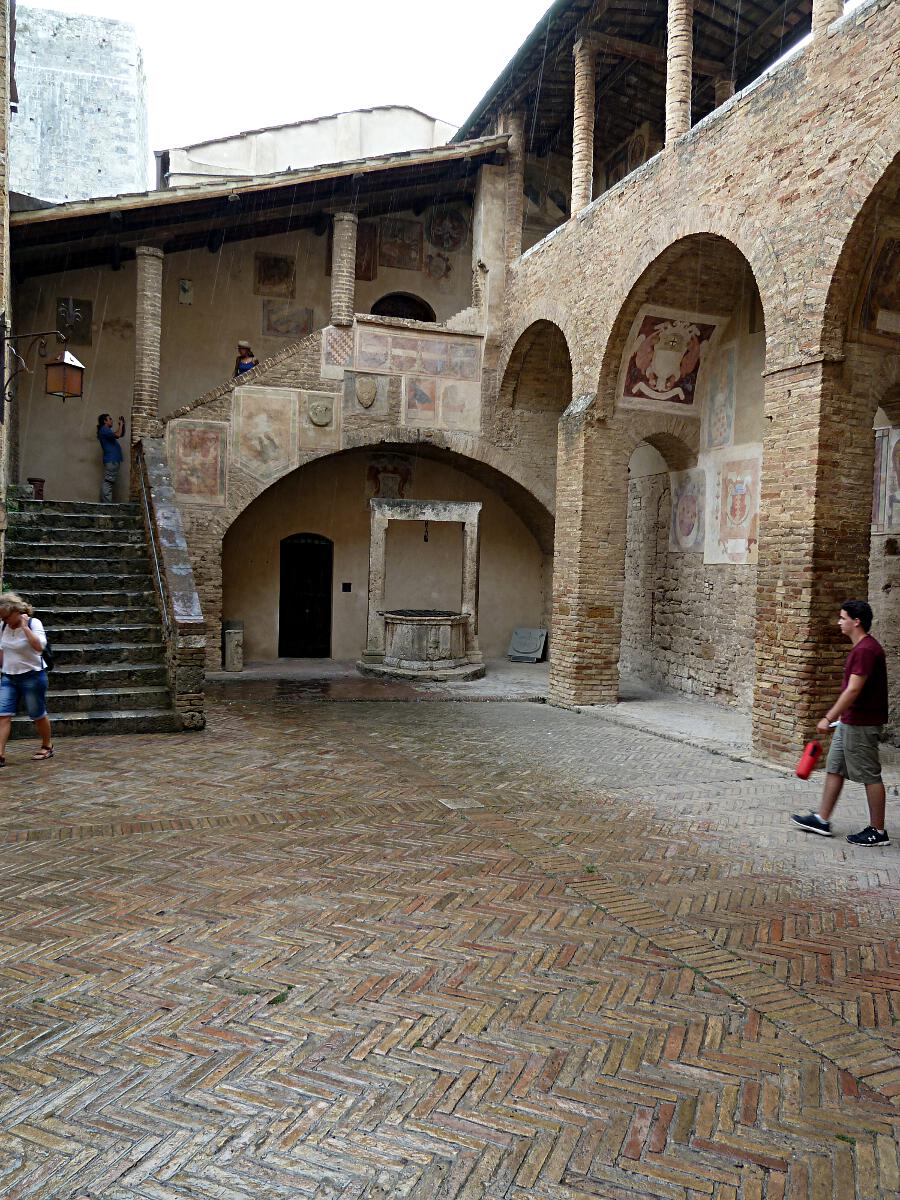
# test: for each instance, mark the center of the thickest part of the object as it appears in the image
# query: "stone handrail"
(183, 624)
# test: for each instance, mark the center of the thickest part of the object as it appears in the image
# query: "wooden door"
(304, 621)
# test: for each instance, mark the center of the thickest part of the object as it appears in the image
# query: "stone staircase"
(86, 570)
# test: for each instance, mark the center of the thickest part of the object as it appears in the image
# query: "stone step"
(86, 507)
(34, 582)
(125, 676)
(115, 653)
(38, 534)
(145, 632)
(101, 699)
(51, 601)
(73, 724)
(24, 565)
(101, 523)
(98, 616)
(40, 555)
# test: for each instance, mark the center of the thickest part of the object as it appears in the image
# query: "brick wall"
(685, 624)
(782, 172)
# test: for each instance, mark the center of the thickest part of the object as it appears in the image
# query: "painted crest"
(366, 391)
(321, 411)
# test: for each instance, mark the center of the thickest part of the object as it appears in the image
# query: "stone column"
(343, 269)
(814, 539)
(583, 124)
(589, 567)
(514, 125)
(724, 90)
(824, 12)
(375, 637)
(470, 574)
(679, 59)
(147, 333)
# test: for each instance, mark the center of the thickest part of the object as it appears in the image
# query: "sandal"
(44, 752)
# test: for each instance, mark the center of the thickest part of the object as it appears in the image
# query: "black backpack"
(46, 653)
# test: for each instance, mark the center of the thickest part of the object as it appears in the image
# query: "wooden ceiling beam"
(605, 43)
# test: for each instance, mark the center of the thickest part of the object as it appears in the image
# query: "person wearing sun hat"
(246, 360)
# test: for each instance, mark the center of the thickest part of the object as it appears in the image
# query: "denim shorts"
(30, 686)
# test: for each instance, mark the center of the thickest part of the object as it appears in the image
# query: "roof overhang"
(106, 230)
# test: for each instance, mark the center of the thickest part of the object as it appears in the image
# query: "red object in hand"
(812, 752)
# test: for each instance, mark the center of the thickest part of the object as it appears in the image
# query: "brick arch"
(611, 357)
(545, 310)
(676, 440)
(878, 173)
(533, 340)
(532, 500)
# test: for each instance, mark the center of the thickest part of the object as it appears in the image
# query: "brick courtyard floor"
(434, 950)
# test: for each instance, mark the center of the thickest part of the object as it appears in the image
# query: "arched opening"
(329, 499)
(684, 378)
(864, 302)
(535, 391)
(405, 305)
(538, 377)
(304, 596)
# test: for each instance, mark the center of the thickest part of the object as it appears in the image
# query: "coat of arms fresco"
(663, 358)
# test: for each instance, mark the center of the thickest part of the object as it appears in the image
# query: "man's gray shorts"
(854, 753)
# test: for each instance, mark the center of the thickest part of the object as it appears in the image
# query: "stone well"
(425, 644)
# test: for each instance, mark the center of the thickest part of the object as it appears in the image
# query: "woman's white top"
(18, 655)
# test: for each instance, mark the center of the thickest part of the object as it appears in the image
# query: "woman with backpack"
(24, 672)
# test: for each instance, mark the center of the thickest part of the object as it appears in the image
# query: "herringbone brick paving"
(437, 951)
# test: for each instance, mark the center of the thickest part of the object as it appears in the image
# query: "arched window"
(403, 304)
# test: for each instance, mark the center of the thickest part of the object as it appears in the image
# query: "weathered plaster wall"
(81, 128)
(362, 133)
(328, 497)
(198, 340)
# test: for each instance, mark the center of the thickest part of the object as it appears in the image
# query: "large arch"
(874, 183)
(705, 281)
(328, 497)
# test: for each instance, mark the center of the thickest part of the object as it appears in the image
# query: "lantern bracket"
(7, 343)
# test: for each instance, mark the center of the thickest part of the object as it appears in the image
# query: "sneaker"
(869, 837)
(812, 823)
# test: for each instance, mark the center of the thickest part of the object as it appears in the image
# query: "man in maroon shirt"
(857, 715)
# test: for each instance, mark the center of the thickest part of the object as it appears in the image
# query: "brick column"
(815, 516)
(147, 332)
(514, 125)
(824, 12)
(589, 567)
(679, 59)
(583, 124)
(724, 90)
(343, 269)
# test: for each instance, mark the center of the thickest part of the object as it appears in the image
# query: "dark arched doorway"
(304, 608)
(405, 305)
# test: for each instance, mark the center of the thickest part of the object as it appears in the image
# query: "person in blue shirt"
(246, 360)
(112, 453)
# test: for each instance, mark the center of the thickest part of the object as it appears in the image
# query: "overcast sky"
(220, 66)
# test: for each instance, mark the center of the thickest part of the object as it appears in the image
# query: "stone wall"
(685, 624)
(81, 127)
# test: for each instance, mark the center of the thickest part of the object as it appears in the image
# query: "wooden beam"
(605, 43)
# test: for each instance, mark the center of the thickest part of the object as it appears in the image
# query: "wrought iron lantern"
(65, 377)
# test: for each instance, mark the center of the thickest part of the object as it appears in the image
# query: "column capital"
(146, 251)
